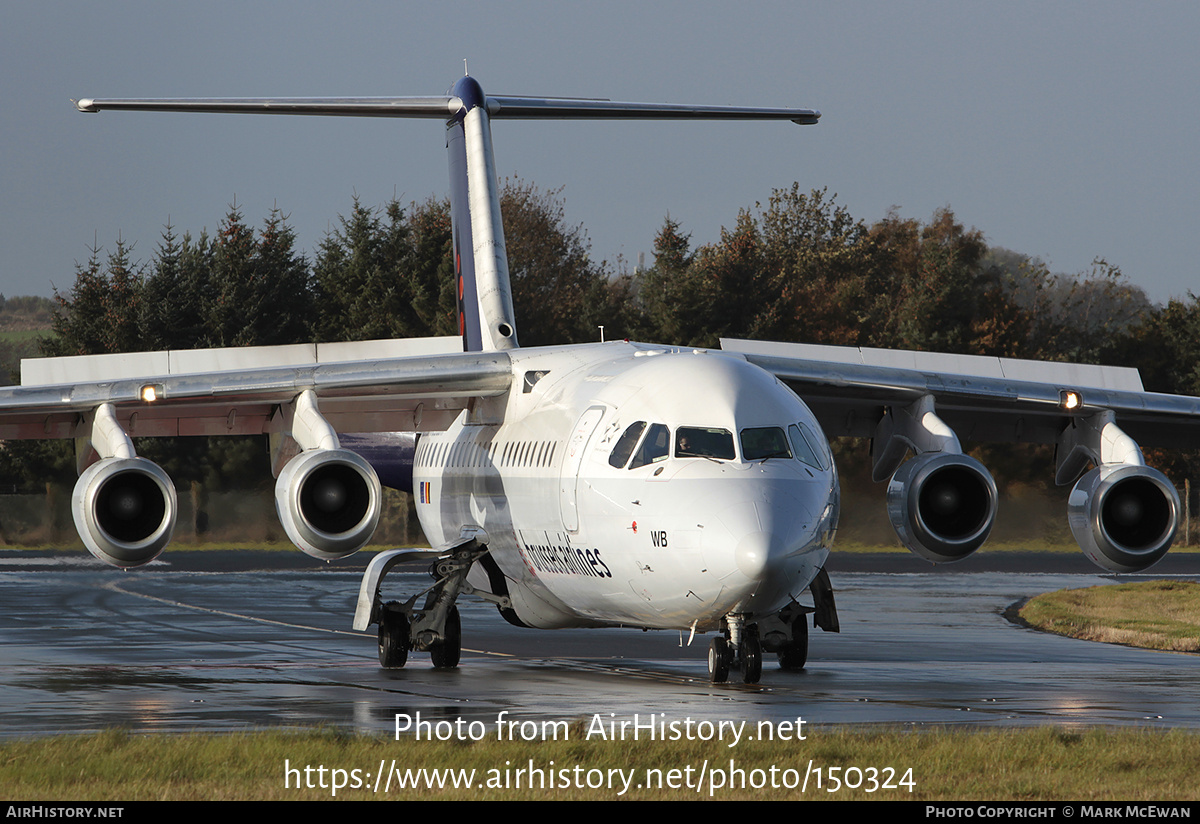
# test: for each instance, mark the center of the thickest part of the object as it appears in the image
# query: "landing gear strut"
(738, 648)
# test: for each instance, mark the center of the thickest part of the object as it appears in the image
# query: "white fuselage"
(619, 484)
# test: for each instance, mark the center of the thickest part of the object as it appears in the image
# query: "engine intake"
(942, 505)
(124, 510)
(328, 501)
(1123, 516)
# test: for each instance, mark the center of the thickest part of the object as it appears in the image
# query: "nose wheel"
(745, 655)
(720, 658)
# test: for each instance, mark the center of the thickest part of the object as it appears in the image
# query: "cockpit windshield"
(701, 442)
(764, 442)
(626, 443)
(807, 446)
(655, 447)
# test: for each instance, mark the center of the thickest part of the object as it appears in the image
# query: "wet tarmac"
(186, 646)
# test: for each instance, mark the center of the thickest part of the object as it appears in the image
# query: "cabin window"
(655, 447)
(625, 444)
(701, 442)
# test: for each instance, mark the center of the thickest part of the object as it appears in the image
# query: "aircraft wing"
(981, 398)
(373, 386)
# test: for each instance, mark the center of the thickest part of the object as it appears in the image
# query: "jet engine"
(942, 505)
(328, 501)
(124, 510)
(1123, 516)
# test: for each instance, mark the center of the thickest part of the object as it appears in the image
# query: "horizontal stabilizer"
(527, 108)
(442, 107)
(567, 108)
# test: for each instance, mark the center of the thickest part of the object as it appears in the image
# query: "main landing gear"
(434, 628)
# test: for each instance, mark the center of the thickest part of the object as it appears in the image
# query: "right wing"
(328, 497)
(370, 386)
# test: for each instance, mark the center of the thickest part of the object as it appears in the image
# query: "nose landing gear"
(739, 648)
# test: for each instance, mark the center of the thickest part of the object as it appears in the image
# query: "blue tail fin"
(485, 310)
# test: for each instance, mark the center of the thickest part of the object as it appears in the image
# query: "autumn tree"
(549, 265)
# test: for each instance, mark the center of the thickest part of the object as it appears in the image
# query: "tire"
(751, 655)
(718, 660)
(795, 655)
(393, 638)
(447, 652)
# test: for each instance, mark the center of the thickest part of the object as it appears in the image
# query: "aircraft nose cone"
(765, 533)
(753, 554)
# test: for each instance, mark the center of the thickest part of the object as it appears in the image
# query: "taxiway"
(223, 642)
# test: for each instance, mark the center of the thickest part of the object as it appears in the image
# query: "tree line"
(799, 268)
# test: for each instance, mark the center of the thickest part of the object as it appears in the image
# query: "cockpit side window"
(625, 444)
(764, 442)
(803, 442)
(700, 442)
(655, 447)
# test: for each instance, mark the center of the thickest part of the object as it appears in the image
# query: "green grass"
(19, 336)
(1152, 614)
(1043, 764)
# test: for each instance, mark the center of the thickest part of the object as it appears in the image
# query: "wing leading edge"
(983, 398)
(360, 388)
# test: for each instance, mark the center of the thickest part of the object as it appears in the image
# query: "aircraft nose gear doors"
(739, 648)
(435, 628)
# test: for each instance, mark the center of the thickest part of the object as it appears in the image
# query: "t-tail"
(485, 308)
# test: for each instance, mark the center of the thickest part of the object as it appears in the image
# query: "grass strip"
(1042, 764)
(1151, 614)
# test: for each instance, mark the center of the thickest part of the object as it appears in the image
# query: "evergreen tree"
(175, 293)
(432, 282)
(363, 277)
(260, 289)
(282, 281)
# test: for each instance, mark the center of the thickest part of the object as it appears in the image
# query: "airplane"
(595, 485)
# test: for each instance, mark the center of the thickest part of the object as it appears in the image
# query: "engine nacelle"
(328, 501)
(124, 510)
(1123, 516)
(942, 505)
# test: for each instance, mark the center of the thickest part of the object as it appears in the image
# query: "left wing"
(328, 497)
(985, 398)
(1123, 513)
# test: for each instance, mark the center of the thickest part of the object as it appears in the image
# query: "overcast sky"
(1062, 130)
